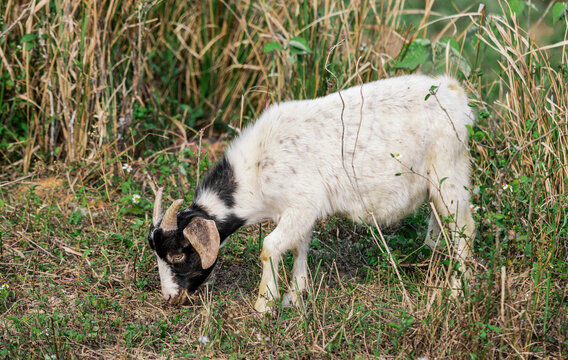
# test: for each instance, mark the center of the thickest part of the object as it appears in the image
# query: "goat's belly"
(386, 206)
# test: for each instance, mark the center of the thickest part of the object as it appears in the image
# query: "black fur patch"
(229, 225)
(221, 180)
(155, 233)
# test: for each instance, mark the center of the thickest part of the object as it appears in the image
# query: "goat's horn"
(170, 218)
(158, 211)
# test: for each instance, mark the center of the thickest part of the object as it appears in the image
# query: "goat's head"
(186, 251)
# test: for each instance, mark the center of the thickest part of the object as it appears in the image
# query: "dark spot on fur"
(266, 162)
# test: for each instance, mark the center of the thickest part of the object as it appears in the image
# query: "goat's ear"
(202, 234)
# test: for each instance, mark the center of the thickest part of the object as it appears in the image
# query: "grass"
(98, 101)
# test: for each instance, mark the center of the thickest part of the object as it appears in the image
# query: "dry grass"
(87, 87)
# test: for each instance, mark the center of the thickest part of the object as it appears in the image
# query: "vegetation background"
(100, 101)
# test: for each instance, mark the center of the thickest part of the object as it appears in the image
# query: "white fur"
(212, 204)
(397, 147)
(170, 288)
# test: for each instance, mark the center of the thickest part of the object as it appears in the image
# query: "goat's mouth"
(181, 298)
(184, 295)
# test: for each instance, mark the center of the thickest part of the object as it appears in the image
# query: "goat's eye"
(176, 258)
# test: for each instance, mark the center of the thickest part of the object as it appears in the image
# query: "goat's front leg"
(268, 290)
(299, 272)
(289, 233)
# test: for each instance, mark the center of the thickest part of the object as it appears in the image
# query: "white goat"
(380, 149)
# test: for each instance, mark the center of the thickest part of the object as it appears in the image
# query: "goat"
(375, 151)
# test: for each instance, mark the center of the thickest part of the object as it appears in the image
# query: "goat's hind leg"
(432, 233)
(453, 200)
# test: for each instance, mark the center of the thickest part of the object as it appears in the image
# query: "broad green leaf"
(478, 135)
(424, 42)
(28, 38)
(299, 45)
(416, 54)
(558, 10)
(450, 41)
(271, 46)
(517, 6)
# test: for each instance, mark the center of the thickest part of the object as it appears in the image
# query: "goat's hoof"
(290, 299)
(263, 304)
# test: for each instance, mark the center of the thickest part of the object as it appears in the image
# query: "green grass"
(131, 94)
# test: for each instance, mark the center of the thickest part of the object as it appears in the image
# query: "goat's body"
(379, 149)
(292, 156)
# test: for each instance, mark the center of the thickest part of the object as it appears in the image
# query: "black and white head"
(186, 249)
